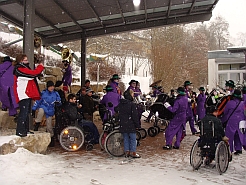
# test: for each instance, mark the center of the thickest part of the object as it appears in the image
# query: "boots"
(135, 155)
(52, 142)
(36, 126)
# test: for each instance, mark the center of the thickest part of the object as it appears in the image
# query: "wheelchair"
(210, 148)
(73, 136)
(161, 116)
(111, 140)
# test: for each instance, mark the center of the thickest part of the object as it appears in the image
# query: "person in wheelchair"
(74, 118)
(211, 132)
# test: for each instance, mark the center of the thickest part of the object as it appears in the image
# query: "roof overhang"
(59, 21)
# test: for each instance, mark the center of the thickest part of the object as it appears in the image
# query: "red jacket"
(25, 83)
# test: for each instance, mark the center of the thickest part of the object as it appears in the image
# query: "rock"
(36, 143)
(6, 121)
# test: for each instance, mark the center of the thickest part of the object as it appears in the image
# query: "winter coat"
(25, 83)
(201, 111)
(207, 128)
(67, 76)
(128, 116)
(112, 97)
(88, 105)
(6, 84)
(47, 102)
(71, 111)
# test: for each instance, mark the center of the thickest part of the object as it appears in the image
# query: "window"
(237, 66)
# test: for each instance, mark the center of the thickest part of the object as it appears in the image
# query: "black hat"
(187, 83)
(237, 93)
(181, 91)
(6, 58)
(201, 89)
(115, 76)
(230, 83)
(108, 88)
(210, 109)
(132, 81)
(58, 83)
(49, 84)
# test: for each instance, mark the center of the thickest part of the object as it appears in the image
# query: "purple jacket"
(67, 76)
(179, 109)
(189, 108)
(112, 97)
(6, 84)
(114, 85)
(201, 111)
(233, 122)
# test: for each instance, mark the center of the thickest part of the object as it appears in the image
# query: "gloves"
(33, 113)
(167, 105)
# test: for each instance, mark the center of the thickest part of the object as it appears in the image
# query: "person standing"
(128, 121)
(25, 89)
(114, 83)
(67, 74)
(189, 114)
(233, 114)
(7, 96)
(176, 125)
(201, 99)
(88, 105)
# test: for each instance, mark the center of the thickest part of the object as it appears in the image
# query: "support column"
(28, 32)
(28, 39)
(83, 58)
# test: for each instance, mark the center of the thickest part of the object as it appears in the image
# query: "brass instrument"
(66, 54)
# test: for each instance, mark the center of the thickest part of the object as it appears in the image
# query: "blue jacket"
(47, 102)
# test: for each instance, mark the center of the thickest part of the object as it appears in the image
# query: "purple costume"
(67, 76)
(176, 125)
(112, 97)
(115, 87)
(6, 88)
(232, 131)
(189, 114)
(201, 111)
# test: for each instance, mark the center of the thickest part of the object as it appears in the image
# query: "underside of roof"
(65, 20)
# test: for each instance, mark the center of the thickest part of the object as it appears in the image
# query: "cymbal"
(155, 83)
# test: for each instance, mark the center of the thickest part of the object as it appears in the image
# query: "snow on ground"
(96, 167)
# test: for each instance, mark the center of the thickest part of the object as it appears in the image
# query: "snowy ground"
(96, 167)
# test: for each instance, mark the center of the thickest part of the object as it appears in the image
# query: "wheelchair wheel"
(114, 144)
(152, 131)
(195, 156)
(138, 135)
(102, 139)
(143, 133)
(89, 147)
(163, 125)
(157, 129)
(71, 138)
(222, 157)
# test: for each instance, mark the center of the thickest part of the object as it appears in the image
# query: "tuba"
(66, 54)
